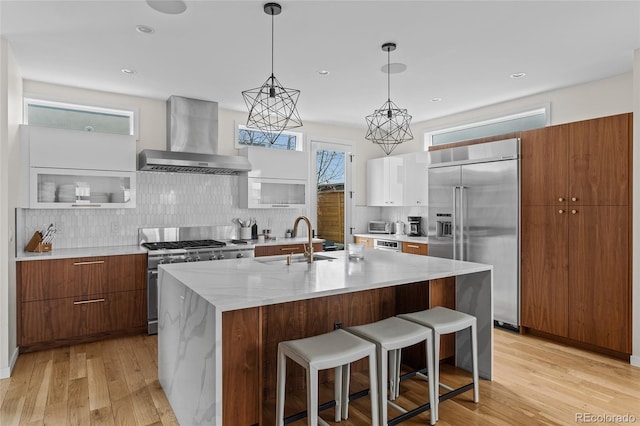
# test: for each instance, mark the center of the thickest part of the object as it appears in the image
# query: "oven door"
(152, 301)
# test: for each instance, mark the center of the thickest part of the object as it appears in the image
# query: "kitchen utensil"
(245, 233)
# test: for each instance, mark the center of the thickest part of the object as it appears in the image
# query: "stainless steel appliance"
(378, 227)
(415, 226)
(183, 244)
(389, 245)
(474, 215)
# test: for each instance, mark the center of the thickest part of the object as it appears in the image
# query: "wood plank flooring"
(114, 382)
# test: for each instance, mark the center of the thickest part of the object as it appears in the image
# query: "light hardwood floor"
(115, 382)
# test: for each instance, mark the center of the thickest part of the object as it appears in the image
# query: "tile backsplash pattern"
(163, 199)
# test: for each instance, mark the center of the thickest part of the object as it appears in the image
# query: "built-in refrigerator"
(474, 215)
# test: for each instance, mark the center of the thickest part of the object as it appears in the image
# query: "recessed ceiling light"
(518, 75)
(394, 68)
(172, 7)
(128, 71)
(145, 29)
(436, 99)
(323, 72)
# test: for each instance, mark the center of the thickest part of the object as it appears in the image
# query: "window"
(62, 115)
(250, 137)
(529, 119)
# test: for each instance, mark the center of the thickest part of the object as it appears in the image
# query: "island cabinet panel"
(274, 250)
(65, 301)
(305, 318)
(241, 366)
(576, 210)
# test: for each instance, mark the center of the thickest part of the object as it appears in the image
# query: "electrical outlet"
(115, 227)
(337, 325)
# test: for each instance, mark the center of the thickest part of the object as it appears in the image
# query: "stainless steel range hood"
(192, 142)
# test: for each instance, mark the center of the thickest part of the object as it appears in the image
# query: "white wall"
(10, 105)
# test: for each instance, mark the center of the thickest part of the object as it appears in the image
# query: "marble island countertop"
(245, 283)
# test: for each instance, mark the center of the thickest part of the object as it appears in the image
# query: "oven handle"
(152, 273)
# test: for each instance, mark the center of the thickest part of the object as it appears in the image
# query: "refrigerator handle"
(454, 220)
(463, 199)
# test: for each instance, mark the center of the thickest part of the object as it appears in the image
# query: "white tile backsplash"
(163, 199)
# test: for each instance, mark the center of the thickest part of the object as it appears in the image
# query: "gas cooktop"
(169, 245)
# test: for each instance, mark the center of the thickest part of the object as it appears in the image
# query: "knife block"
(35, 244)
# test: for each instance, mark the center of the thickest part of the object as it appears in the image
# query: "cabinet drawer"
(54, 279)
(72, 317)
(284, 249)
(415, 248)
(367, 242)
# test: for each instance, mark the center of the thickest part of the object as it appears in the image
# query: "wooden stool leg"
(346, 376)
(436, 372)
(474, 355)
(432, 385)
(312, 396)
(337, 393)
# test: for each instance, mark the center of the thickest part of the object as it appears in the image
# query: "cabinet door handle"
(413, 246)
(560, 211)
(84, 302)
(574, 199)
(561, 199)
(86, 205)
(279, 205)
(289, 248)
(574, 211)
(93, 262)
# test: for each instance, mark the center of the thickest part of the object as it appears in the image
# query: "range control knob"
(220, 256)
(172, 260)
(239, 255)
(162, 261)
(212, 257)
(188, 259)
(196, 258)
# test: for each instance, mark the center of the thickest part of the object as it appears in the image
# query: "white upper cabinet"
(416, 188)
(278, 179)
(385, 181)
(399, 180)
(76, 169)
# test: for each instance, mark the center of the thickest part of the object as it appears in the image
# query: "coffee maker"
(415, 226)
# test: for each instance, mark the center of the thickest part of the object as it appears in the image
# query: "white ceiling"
(462, 52)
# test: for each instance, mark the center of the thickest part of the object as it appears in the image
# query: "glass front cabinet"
(76, 169)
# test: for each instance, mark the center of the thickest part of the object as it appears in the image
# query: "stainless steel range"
(185, 244)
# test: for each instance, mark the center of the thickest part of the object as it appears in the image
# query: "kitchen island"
(220, 322)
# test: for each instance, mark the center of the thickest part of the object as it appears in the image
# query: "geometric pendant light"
(388, 126)
(272, 107)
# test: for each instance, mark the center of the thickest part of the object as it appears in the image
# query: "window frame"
(300, 145)
(38, 100)
(508, 116)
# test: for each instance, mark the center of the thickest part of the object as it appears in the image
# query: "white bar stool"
(444, 321)
(390, 336)
(336, 349)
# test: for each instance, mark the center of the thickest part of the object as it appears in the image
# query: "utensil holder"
(36, 245)
(245, 233)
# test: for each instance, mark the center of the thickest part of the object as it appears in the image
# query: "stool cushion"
(392, 333)
(441, 320)
(328, 350)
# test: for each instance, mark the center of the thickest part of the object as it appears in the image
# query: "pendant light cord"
(389, 75)
(272, 38)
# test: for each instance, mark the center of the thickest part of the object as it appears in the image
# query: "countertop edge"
(68, 253)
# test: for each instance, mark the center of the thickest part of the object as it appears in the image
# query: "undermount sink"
(296, 258)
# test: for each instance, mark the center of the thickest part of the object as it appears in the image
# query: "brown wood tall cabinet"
(66, 301)
(575, 231)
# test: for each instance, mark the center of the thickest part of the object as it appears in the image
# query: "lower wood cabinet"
(73, 300)
(415, 248)
(365, 241)
(274, 250)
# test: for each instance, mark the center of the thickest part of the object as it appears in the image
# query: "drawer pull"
(93, 262)
(84, 302)
(413, 246)
(289, 248)
(86, 205)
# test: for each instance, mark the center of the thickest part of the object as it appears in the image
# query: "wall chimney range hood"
(192, 142)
